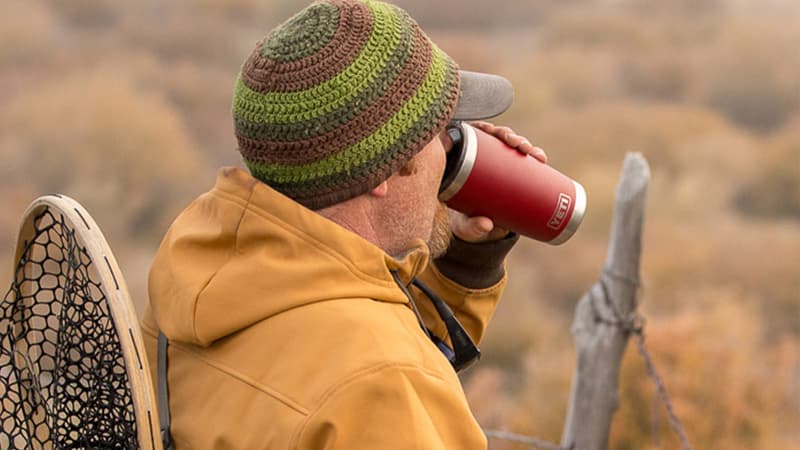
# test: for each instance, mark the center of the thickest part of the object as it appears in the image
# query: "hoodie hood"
(243, 252)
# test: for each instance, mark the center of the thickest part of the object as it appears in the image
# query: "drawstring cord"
(464, 352)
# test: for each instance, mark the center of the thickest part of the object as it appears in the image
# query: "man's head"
(341, 97)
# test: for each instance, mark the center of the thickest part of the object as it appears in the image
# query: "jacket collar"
(308, 225)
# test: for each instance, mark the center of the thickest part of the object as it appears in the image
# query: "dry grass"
(125, 106)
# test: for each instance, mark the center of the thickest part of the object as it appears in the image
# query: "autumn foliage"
(125, 106)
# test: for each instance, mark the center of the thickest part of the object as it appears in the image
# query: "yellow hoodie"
(287, 331)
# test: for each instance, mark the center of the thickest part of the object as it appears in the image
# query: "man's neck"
(353, 215)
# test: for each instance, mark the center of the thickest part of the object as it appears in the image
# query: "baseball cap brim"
(482, 96)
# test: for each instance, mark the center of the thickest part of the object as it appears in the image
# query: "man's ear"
(380, 190)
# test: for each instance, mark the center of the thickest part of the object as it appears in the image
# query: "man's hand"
(475, 229)
(512, 139)
(479, 228)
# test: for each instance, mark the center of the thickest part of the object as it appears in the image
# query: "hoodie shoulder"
(243, 252)
(200, 241)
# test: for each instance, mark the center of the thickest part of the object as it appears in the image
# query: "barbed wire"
(633, 323)
(661, 389)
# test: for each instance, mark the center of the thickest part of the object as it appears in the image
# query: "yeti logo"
(564, 201)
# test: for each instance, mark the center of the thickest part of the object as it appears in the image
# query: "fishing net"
(63, 381)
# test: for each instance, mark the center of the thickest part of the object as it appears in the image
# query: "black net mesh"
(63, 382)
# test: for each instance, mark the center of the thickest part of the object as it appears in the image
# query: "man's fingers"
(539, 154)
(512, 139)
(470, 229)
(475, 229)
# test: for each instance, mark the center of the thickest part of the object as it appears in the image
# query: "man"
(291, 296)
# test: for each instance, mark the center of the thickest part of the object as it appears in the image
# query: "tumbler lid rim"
(467, 162)
(577, 216)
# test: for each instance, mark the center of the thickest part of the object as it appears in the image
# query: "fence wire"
(634, 324)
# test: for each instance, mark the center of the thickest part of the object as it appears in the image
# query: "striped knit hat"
(342, 95)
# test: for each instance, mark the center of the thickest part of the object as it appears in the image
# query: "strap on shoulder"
(163, 393)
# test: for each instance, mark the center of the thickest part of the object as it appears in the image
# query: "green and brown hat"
(342, 95)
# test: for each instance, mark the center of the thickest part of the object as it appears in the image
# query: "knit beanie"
(338, 98)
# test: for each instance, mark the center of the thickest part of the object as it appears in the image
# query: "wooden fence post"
(604, 315)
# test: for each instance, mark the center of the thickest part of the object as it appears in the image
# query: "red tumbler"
(486, 177)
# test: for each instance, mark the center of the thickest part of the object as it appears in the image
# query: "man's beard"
(440, 232)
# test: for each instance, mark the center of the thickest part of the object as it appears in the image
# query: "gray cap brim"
(482, 96)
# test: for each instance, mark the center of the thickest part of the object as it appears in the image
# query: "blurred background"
(125, 106)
